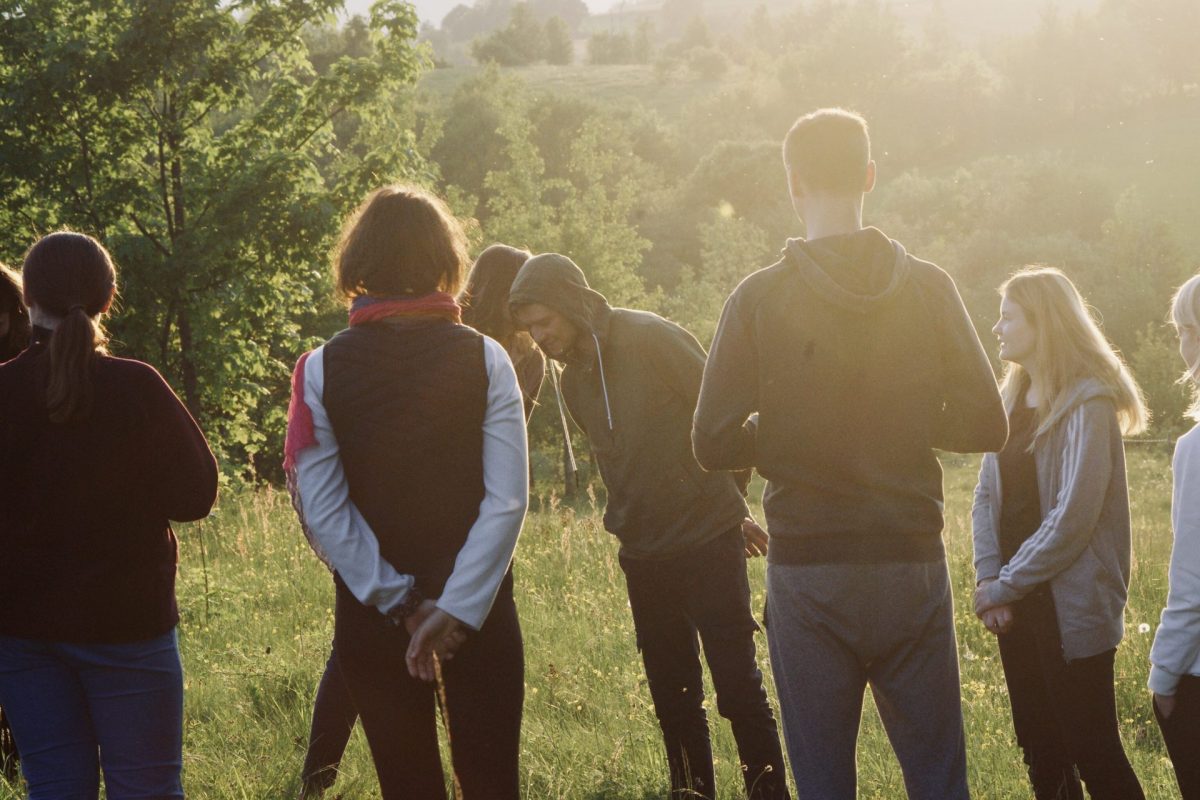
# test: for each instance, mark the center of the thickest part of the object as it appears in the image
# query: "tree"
(560, 49)
(610, 48)
(197, 141)
(521, 42)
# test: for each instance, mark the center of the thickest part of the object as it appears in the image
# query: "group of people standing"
(837, 373)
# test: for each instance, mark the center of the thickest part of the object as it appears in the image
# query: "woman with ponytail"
(407, 455)
(1052, 536)
(99, 457)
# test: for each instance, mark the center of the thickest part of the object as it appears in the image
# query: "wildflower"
(1143, 628)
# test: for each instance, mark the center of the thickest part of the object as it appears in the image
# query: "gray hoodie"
(631, 385)
(1082, 548)
(859, 360)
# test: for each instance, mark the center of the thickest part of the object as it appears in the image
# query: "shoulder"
(130, 371)
(763, 283)
(932, 278)
(648, 328)
(1188, 446)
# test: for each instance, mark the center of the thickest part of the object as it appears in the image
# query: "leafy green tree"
(198, 141)
(560, 50)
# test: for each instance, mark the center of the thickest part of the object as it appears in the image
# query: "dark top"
(643, 372)
(1020, 503)
(406, 400)
(860, 361)
(88, 551)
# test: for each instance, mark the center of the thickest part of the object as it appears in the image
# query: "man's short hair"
(828, 151)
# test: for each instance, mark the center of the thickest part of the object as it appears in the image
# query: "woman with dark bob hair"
(484, 302)
(406, 449)
(14, 318)
(99, 456)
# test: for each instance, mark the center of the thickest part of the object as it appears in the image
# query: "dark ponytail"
(71, 276)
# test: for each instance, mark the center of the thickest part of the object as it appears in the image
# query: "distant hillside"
(967, 18)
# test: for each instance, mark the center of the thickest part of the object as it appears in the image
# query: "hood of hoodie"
(555, 281)
(1083, 391)
(856, 271)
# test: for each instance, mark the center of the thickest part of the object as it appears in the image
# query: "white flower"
(1143, 628)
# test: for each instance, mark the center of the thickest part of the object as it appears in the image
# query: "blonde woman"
(1052, 543)
(1175, 657)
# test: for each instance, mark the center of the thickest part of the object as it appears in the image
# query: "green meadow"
(257, 622)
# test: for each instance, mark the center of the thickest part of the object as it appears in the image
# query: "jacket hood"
(1087, 389)
(856, 271)
(555, 281)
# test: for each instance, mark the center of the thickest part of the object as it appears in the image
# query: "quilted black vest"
(407, 400)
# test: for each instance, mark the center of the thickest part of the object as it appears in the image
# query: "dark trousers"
(1182, 734)
(1064, 712)
(703, 596)
(10, 760)
(334, 715)
(484, 691)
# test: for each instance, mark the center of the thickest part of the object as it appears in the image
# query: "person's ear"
(108, 303)
(869, 183)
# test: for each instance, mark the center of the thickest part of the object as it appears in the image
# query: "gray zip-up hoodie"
(631, 384)
(1082, 548)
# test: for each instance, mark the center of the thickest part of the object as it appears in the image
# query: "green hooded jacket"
(631, 383)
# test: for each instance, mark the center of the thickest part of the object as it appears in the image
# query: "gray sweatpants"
(835, 628)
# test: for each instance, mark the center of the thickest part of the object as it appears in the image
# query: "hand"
(998, 620)
(983, 599)
(414, 620)
(1165, 703)
(756, 538)
(438, 636)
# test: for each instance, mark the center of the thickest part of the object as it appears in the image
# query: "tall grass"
(257, 623)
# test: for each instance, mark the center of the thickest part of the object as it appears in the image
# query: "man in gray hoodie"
(630, 381)
(836, 373)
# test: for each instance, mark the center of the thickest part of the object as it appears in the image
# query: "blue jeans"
(78, 708)
(835, 629)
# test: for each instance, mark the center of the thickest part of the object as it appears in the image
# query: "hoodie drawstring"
(603, 382)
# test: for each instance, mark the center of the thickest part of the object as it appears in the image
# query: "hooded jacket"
(1082, 547)
(631, 383)
(859, 360)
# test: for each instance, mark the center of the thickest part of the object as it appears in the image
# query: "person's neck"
(831, 216)
(41, 319)
(1033, 392)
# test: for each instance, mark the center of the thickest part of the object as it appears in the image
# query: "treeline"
(216, 149)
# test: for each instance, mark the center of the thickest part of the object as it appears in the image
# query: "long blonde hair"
(1185, 313)
(1070, 348)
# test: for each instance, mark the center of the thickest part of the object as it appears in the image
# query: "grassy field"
(257, 622)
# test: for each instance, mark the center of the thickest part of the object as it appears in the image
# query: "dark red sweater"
(86, 548)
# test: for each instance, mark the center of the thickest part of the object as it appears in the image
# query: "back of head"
(828, 151)
(12, 305)
(485, 298)
(1185, 313)
(401, 242)
(1070, 348)
(70, 279)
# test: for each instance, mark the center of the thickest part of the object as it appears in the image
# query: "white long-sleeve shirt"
(1176, 650)
(351, 546)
